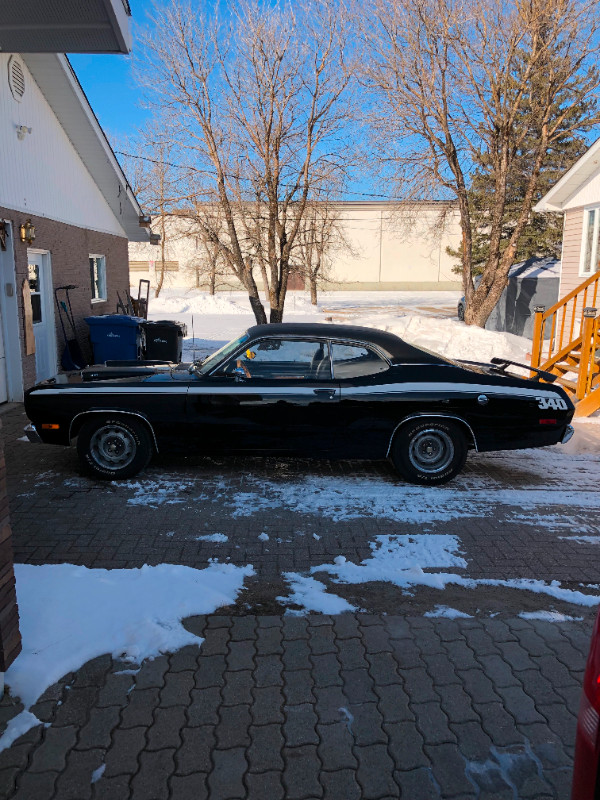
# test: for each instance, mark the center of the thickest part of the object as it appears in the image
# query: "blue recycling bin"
(116, 337)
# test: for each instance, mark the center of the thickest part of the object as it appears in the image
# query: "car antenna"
(194, 341)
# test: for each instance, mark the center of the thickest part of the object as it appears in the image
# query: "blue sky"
(109, 84)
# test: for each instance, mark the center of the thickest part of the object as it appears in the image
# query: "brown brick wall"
(10, 638)
(69, 248)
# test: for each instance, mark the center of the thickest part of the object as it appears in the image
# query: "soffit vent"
(16, 78)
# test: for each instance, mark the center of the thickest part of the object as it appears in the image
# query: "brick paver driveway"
(384, 702)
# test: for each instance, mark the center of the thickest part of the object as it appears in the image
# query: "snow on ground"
(582, 539)
(70, 614)
(312, 595)
(403, 559)
(157, 492)
(549, 616)
(426, 319)
(341, 499)
(447, 612)
(16, 727)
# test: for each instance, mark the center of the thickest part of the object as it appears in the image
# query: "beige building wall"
(388, 247)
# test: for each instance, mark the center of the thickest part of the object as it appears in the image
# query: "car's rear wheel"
(429, 451)
(114, 448)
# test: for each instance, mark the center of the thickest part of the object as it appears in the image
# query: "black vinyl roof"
(395, 348)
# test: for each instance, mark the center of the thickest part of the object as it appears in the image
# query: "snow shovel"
(72, 358)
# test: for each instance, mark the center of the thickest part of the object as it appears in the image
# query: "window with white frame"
(98, 277)
(590, 252)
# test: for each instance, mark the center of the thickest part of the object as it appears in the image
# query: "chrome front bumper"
(568, 434)
(32, 434)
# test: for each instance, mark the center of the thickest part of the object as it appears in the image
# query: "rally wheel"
(429, 451)
(114, 448)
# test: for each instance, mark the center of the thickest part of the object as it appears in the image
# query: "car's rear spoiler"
(500, 365)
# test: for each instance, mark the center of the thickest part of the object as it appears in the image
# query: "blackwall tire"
(429, 451)
(114, 448)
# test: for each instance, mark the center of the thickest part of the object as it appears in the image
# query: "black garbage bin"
(164, 340)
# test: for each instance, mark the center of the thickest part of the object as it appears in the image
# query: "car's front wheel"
(114, 448)
(429, 451)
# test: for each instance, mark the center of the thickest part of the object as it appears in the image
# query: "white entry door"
(42, 306)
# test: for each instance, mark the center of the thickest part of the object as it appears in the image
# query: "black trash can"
(164, 340)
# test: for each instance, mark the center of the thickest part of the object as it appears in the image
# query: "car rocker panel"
(306, 389)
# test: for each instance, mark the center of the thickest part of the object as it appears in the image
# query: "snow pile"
(422, 318)
(312, 595)
(171, 303)
(212, 537)
(71, 614)
(454, 339)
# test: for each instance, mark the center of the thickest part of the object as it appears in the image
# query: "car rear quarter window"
(355, 361)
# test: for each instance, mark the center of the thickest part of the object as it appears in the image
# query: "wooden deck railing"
(558, 330)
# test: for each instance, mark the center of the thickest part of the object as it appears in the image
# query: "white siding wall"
(571, 251)
(43, 174)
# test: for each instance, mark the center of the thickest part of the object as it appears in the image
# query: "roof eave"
(57, 80)
(563, 190)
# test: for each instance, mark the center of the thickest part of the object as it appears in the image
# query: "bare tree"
(459, 83)
(156, 181)
(258, 94)
(321, 236)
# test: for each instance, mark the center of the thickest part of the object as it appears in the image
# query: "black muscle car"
(333, 391)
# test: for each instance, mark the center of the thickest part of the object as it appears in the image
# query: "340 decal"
(556, 403)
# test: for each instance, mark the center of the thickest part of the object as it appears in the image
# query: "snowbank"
(422, 318)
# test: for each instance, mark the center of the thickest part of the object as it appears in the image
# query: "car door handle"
(325, 392)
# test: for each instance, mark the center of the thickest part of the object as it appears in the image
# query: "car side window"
(283, 359)
(355, 361)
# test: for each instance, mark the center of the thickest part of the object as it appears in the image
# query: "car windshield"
(211, 362)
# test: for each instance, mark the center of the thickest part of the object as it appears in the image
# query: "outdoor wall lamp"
(22, 131)
(27, 232)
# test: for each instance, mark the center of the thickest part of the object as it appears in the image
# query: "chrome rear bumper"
(568, 434)
(32, 434)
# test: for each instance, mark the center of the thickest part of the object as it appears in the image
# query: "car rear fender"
(472, 441)
(79, 419)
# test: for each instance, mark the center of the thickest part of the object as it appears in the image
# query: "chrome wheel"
(431, 451)
(113, 447)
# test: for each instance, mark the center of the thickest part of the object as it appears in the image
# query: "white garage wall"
(42, 173)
